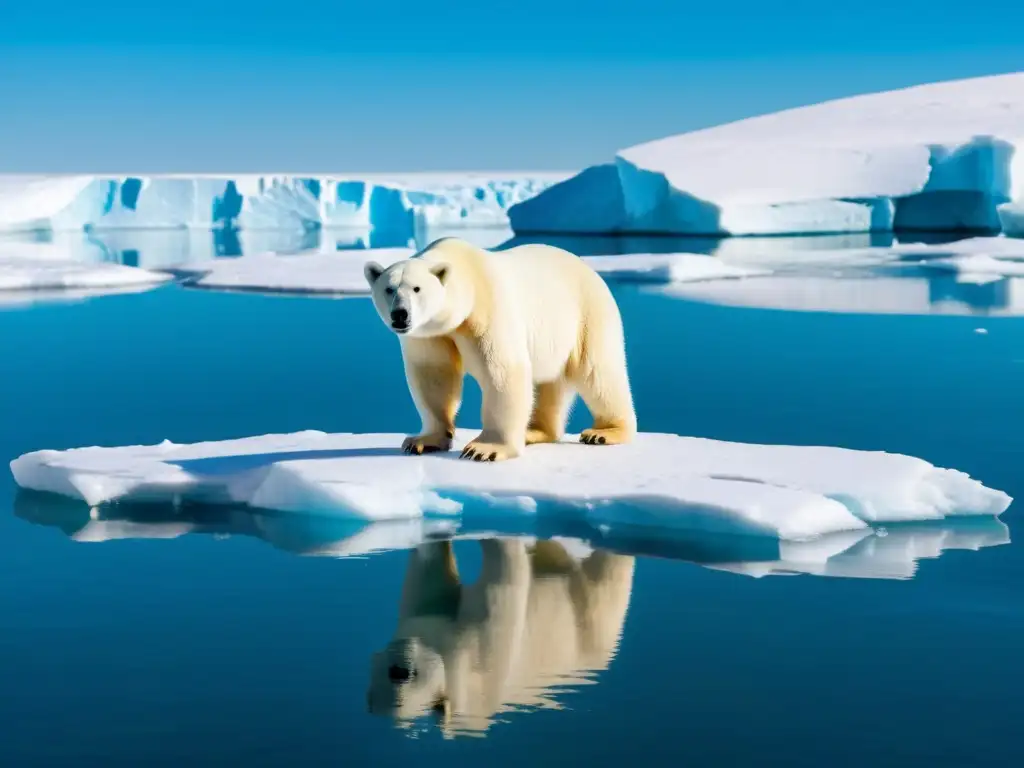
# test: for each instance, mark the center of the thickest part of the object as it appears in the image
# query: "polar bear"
(534, 325)
(535, 620)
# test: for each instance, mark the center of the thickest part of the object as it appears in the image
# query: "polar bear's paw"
(479, 451)
(608, 436)
(432, 443)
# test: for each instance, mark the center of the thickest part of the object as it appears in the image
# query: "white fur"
(534, 621)
(534, 325)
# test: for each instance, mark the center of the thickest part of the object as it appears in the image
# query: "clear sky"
(394, 85)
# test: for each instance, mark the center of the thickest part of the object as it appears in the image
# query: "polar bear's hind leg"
(551, 405)
(603, 383)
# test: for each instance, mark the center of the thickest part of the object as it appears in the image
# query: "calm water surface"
(231, 643)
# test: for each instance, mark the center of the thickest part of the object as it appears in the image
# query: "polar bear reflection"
(536, 618)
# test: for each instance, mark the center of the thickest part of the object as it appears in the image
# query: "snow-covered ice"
(393, 205)
(789, 492)
(341, 272)
(40, 267)
(338, 273)
(979, 268)
(938, 156)
(974, 260)
(668, 268)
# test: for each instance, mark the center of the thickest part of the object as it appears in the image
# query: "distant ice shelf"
(393, 206)
(942, 156)
(660, 481)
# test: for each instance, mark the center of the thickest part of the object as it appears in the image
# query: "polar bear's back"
(562, 301)
(543, 273)
(550, 298)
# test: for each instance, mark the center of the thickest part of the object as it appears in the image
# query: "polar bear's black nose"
(397, 674)
(399, 316)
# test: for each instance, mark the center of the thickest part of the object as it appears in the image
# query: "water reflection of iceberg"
(891, 553)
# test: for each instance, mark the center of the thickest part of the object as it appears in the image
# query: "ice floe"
(341, 273)
(661, 480)
(38, 267)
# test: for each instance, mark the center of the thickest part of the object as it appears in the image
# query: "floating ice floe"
(341, 273)
(328, 274)
(974, 276)
(788, 492)
(973, 260)
(668, 268)
(38, 267)
(942, 156)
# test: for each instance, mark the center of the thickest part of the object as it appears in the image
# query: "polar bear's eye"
(389, 290)
(416, 289)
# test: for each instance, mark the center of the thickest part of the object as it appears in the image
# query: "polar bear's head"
(407, 680)
(409, 295)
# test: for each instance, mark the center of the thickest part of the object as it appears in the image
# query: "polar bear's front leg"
(433, 370)
(507, 402)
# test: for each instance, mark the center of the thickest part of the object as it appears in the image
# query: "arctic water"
(235, 642)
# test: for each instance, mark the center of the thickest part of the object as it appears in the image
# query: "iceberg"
(37, 268)
(888, 553)
(391, 206)
(660, 480)
(941, 156)
(341, 273)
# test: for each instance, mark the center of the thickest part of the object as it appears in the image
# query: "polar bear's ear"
(440, 271)
(372, 270)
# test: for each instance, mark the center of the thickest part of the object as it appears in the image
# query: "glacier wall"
(392, 207)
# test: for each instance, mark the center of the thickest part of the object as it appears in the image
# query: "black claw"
(430, 448)
(493, 456)
(602, 440)
(478, 457)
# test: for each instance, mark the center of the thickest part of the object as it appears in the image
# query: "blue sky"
(311, 85)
